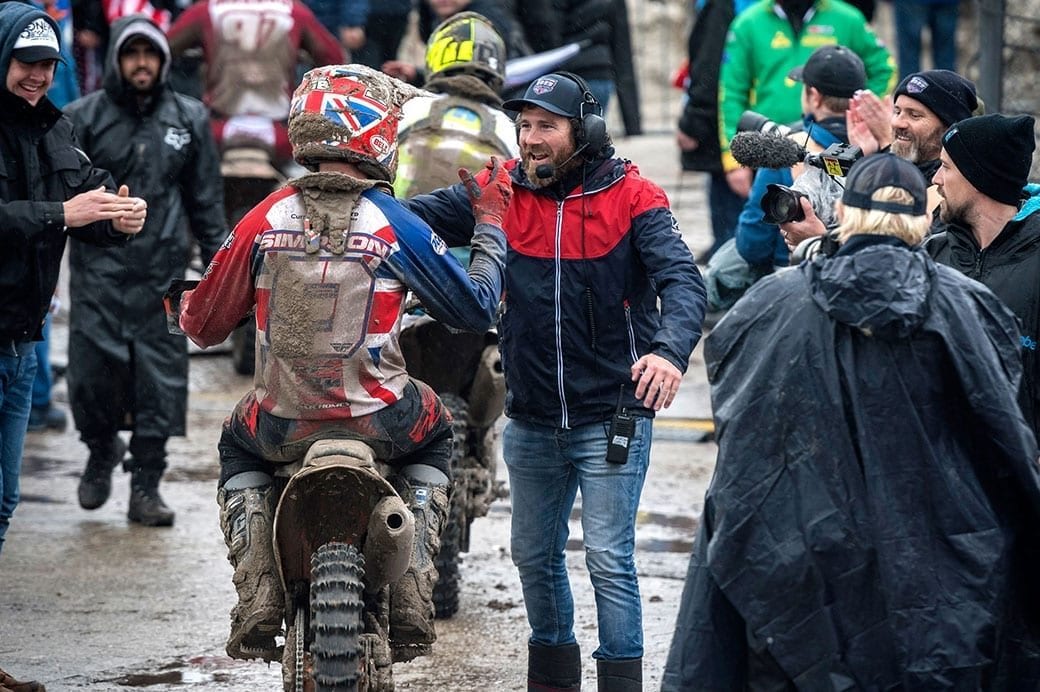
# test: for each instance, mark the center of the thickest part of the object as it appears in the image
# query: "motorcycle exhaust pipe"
(488, 394)
(388, 545)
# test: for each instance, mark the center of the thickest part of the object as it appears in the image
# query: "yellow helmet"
(467, 43)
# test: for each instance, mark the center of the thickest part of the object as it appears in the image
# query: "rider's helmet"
(467, 43)
(348, 113)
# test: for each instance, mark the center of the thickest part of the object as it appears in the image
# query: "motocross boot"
(95, 485)
(247, 520)
(9, 684)
(146, 467)
(411, 597)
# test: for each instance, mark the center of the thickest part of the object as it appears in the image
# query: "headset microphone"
(547, 170)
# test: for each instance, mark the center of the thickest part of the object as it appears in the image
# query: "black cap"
(834, 71)
(553, 92)
(994, 153)
(945, 93)
(37, 41)
(871, 173)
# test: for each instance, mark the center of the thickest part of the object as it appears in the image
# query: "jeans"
(910, 19)
(546, 467)
(17, 370)
(725, 206)
(42, 384)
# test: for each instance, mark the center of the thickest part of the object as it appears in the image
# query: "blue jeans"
(910, 19)
(17, 369)
(546, 467)
(42, 384)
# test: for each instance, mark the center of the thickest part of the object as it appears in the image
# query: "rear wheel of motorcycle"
(446, 590)
(337, 570)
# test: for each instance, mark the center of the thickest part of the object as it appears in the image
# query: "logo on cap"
(544, 85)
(916, 85)
(37, 33)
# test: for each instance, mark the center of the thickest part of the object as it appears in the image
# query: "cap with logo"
(555, 93)
(944, 92)
(38, 40)
(871, 173)
(833, 71)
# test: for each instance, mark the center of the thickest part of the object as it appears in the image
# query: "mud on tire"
(336, 616)
(446, 590)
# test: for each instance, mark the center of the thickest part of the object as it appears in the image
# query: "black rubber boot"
(625, 675)
(412, 630)
(146, 506)
(147, 463)
(95, 485)
(553, 668)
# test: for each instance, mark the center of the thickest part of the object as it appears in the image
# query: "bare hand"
(657, 381)
(352, 37)
(859, 134)
(100, 205)
(794, 232)
(686, 142)
(405, 71)
(739, 181)
(876, 115)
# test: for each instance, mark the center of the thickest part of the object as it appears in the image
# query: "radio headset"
(590, 127)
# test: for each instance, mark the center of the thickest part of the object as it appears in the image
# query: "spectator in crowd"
(988, 235)
(911, 18)
(766, 42)
(384, 29)
(126, 371)
(926, 104)
(462, 125)
(538, 22)
(593, 249)
(698, 133)
(870, 523)
(345, 19)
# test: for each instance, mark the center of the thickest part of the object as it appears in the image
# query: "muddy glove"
(490, 201)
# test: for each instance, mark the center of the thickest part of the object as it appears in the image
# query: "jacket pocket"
(70, 166)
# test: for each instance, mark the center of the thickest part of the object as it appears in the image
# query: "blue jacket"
(585, 267)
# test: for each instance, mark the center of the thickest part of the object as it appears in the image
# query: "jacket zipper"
(631, 332)
(559, 317)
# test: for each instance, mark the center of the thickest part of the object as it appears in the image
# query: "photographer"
(830, 78)
(870, 522)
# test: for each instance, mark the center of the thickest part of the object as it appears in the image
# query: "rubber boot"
(555, 668)
(95, 485)
(9, 684)
(146, 505)
(247, 521)
(411, 597)
(624, 675)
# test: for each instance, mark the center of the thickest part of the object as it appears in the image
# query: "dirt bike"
(466, 372)
(341, 536)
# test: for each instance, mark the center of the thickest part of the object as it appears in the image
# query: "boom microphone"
(757, 150)
(547, 170)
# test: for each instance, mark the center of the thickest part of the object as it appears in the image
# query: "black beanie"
(994, 153)
(945, 93)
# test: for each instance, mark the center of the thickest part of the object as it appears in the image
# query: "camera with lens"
(782, 204)
(750, 121)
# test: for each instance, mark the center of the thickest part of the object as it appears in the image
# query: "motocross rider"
(327, 261)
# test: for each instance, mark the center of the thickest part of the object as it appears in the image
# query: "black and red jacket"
(587, 261)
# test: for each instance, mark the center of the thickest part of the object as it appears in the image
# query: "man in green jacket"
(766, 42)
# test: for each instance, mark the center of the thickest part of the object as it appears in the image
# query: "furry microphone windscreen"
(757, 150)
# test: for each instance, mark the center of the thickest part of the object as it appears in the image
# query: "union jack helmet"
(348, 113)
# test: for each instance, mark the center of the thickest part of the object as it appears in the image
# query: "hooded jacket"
(41, 167)
(871, 521)
(588, 257)
(162, 148)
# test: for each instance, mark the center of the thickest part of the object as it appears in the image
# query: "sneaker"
(47, 417)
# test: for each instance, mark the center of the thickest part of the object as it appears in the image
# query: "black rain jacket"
(121, 357)
(871, 524)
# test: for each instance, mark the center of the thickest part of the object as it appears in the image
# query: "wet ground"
(90, 602)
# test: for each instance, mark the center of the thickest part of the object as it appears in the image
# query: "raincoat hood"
(874, 284)
(123, 31)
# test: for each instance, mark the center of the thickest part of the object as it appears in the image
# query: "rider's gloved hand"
(490, 200)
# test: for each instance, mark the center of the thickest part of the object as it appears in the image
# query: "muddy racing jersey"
(251, 48)
(327, 323)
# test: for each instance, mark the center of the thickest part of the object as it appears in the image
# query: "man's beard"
(559, 168)
(916, 151)
(954, 215)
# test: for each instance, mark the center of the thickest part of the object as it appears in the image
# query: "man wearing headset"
(589, 356)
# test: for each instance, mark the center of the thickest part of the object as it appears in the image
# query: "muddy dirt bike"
(466, 372)
(341, 536)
